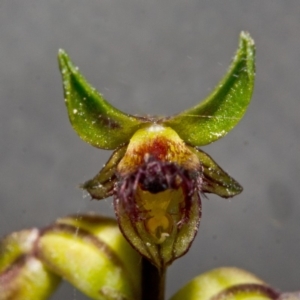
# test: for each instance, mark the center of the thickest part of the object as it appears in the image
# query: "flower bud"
(90, 252)
(226, 284)
(22, 275)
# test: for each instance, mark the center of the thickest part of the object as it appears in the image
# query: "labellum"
(156, 199)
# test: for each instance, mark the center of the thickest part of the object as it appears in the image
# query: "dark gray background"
(156, 57)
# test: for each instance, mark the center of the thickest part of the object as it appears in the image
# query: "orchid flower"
(157, 171)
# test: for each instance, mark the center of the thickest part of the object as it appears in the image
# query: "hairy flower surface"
(157, 172)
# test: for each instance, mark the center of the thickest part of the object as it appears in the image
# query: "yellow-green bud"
(226, 284)
(90, 252)
(22, 275)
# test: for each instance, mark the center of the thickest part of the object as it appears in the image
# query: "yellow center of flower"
(160, 212)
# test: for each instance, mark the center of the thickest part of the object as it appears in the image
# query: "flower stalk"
(153, 281)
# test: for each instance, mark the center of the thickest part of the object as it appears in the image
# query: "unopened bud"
(226, 284)
(90, 252)
(22, 275)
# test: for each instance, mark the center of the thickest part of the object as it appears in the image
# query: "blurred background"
(156, 57)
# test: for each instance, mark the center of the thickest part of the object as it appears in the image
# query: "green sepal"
(102, 185)
(225, 106)
(215, 179)
(92, 117)
(212, 284)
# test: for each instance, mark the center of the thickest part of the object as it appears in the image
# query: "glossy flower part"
(90, 252)
(22, 275)
(157, 172)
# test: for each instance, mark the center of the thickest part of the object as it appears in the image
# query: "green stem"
(153, 281)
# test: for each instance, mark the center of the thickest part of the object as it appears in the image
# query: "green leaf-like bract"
(93, 118)
(225, 106)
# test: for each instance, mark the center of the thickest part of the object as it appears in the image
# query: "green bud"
(90, 252)
(22, 275)
(226, 284)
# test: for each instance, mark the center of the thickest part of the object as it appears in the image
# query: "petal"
(92, 117)
(225, 106)
(216, 180)
(102, 185)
